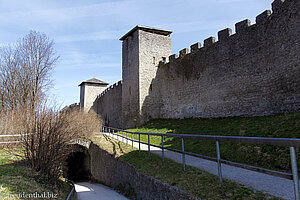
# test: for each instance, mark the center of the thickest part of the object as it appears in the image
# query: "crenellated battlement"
(251, 70)
(242, 28)
(108, 105)
(111, 88)
(277, 5)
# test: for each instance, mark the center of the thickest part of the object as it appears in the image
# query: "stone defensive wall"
(108, 105)
(253, 72)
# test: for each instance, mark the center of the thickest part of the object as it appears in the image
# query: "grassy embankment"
(194, 181)
(266, 156)
(16, 178)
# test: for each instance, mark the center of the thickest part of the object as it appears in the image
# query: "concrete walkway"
(94, 191)
(279, 187)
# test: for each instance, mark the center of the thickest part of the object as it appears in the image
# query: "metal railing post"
(126, 138)
(122, 136)
(148, 145)
(218, 161)
(183, 154)
(295, 172)
(139, 142)
(132, 140)
(162, 148)
(118, 135)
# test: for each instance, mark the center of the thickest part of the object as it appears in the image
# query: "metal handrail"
(18, 135)
(249, 140)
(290, 142)
(73, 192)
(13, 142)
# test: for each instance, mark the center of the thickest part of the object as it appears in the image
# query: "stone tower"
(142, 49)
(89, 90)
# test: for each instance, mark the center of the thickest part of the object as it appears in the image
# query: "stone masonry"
(108, 105)
(143, 47)
(89, 90)
(253, 72)
(115, 173)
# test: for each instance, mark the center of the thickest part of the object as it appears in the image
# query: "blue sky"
(86, 32)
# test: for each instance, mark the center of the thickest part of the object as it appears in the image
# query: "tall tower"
(142, 49)
(89, 90)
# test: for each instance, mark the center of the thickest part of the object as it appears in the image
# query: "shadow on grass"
(18, 179)
(266, 156)
(198, 183)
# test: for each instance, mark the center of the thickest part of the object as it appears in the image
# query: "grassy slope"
(196, 182)
(271, 157)
(15, 178)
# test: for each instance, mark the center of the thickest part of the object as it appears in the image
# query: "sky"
(87, 32)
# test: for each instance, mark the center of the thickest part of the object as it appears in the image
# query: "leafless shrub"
(12, 122)
(24, 79)
(84, 123)
(49, 145)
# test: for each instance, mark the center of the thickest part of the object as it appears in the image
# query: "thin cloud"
(71, 13)
(88, 66)
(101, 35)
(230, 1)
(183, 27)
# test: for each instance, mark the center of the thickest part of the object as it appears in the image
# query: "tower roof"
(93, 81)
(148, 29)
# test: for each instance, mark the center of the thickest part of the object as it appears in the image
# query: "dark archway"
(77, 166)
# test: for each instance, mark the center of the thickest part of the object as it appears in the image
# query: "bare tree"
(25, 70)
(9, 77)
(37, 60)
(24, 79)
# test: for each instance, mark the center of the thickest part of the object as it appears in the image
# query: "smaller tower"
(89, 90)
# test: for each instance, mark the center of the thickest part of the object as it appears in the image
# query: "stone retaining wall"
(116, 173)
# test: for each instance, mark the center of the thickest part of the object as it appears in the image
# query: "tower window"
(150, 88)
(154, 60)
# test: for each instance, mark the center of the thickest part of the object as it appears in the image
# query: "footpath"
(95, 191)
(276, 186)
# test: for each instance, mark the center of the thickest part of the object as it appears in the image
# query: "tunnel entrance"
(77, 166)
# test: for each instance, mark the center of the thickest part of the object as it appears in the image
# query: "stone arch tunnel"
(77, 166)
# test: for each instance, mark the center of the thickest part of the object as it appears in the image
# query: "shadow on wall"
(108, 105)
(77, 167)
(253, 72)
(151, 108)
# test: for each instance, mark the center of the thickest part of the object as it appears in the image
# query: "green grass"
(16, 178)
(266, 156)
(198, 183)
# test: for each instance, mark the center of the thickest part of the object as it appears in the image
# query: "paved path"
(273, 185)
(94, 191)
